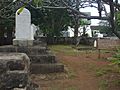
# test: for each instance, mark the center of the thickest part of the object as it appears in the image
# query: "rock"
(14, 70)
(12, 80)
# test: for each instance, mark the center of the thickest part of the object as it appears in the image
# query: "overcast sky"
(94, 12)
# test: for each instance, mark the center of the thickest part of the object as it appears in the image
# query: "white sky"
(94, 12)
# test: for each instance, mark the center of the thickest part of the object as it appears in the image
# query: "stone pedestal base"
(22, 42)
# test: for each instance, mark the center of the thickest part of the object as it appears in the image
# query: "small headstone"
(24, 36)
(33, 29)
(95, 43)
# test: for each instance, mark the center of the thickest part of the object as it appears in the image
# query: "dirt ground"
(83, 71)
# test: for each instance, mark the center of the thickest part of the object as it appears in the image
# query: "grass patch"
(116, 82)
(68, 88)
(106, 51)
(103, 85)
(55, 88)
(66, 49)
(100, 72)
(103, 71)
(69, 50)
(71, 74)
(72, 88)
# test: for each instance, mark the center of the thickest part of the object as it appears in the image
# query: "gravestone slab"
(95, 43)
(33, 30)
(24, 36)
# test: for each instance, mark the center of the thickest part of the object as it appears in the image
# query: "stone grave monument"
(24, 35)
(15, 72)
(42, 60)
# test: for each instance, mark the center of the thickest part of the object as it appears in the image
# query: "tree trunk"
(112, 22)
(9, 35)
(84, 30)
(76, 23)
(76, 31)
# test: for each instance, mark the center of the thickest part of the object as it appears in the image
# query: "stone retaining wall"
(108, 43)
(63, 40)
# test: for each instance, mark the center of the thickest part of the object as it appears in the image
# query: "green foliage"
(52, 21)
(67, 50)
(116, 59)
(105, 27)
(107, 30)
(84, 22)
(38, 2)
(100, 72)
(21, 9)
(117, 20)
(103, 85)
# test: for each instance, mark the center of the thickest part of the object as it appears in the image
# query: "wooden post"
(99, 54)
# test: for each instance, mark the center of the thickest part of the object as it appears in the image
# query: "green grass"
(103, 85)
(100, 72)
(72, 88)
(67, 88)
(104, 70)
(66, 49)
(71, 74)
(69, 50)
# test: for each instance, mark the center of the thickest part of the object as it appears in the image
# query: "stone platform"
(15, 71)
(22, 42)
(42, 60)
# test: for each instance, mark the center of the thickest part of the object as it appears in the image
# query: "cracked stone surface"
(15, 72)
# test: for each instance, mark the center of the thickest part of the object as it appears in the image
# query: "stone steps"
(41, 59)
(40, 43)
(28, 50)
(46, 68)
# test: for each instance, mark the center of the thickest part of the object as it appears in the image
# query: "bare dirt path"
(79, 75)
(82, 65)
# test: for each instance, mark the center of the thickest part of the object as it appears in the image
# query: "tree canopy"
(72, 7)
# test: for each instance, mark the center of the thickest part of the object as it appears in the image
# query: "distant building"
(65, 33)
(80, 31)
(96, 31)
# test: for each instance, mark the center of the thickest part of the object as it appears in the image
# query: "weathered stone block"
(30, 42)
(22, 43)
(46, 68)
(13, 80)
(14, 70)
(42, 59)
(32, 50)
(15, 42)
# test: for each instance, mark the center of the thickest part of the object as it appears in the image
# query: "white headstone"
(33, 29)
(95, 43)
(23, 32)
